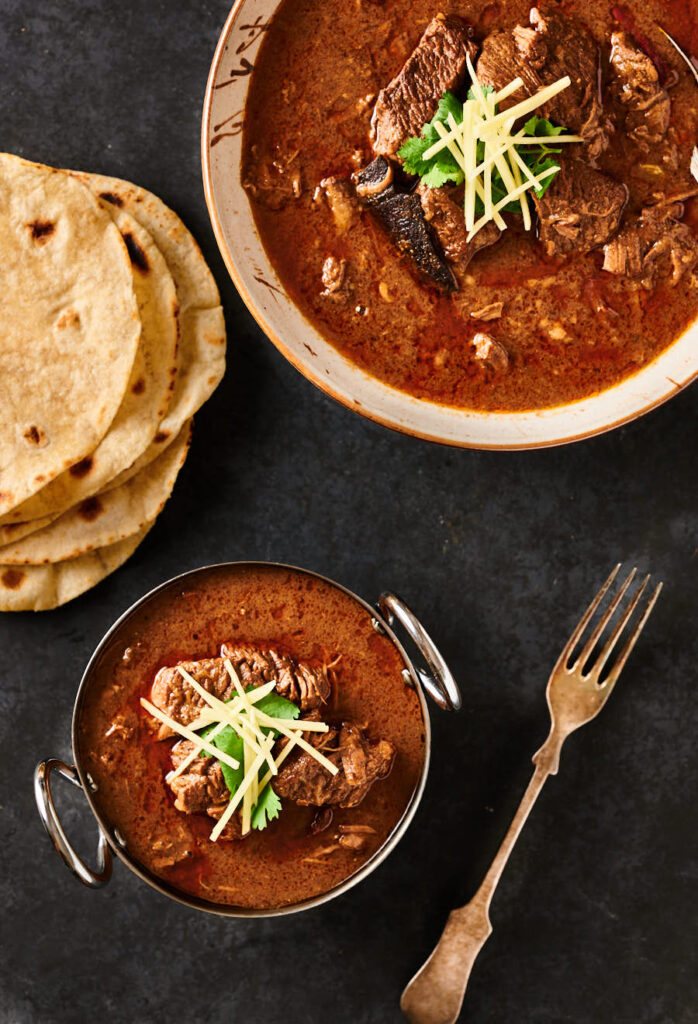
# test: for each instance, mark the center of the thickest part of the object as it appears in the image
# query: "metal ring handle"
(49, 817)
(440, 685)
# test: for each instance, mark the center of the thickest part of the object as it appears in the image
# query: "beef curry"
(563, 292)
(332, 687)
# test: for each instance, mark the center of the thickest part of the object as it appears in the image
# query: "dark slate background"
(595, 918)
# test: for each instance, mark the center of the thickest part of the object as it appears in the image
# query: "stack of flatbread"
(111, 337)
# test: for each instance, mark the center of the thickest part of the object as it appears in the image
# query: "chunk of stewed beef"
(446, 219)
(178, 698)
(201, 788)
(410, 100)
(581, 210)
(500, 62)
(359, 760)
(550, 47)
(305, 685)
(657, 246)
(636, 83)
(401, 215)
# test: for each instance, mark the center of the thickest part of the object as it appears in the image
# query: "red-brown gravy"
(303, 617)
(318, 69)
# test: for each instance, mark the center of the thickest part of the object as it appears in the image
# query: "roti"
(69, 325)
(14, 532)
(202, 339)
(41, 587)
(107, 517)
(149, 389)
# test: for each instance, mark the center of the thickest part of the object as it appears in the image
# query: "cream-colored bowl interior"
(285, 325)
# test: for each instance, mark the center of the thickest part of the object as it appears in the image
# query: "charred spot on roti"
(139, 387)
(12, 578)
(41, 230)
(136, 254)
(90, 509)
(68, 318)
(81, 468)
(35, 436)
(111, 197)
(161, 436)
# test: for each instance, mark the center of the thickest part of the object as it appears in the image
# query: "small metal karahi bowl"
(433, 677)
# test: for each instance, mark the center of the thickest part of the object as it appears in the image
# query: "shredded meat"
(302, 779)
(658, 245)
(410, 99)
(581, 210)
(491, 353)
(492, 311)
(274, 179)
(342, 201)
(170, 846)
(648, 107)
(305, 685)
(334, 274)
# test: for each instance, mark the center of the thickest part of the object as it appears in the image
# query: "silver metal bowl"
(434, 679)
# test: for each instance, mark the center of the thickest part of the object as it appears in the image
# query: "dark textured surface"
(595, 917)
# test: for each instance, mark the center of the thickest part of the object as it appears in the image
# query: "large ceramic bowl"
(299, 341)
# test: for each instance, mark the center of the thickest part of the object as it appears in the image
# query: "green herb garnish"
(227, 740)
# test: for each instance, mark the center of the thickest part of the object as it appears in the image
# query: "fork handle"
(435, 994)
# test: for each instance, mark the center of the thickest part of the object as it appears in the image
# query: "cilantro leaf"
(411, 153)
(266, 809)
(442, 168)
(544, 164)
(230, 743)
(278, 707)
(441, 174)
(448, 104)
(486, 90)
(541, 126)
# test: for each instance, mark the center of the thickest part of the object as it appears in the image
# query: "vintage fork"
(576, 693)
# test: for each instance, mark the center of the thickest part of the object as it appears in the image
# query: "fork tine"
(585, 619)
(632, 639)
(604, 621)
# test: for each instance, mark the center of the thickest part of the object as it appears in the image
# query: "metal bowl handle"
(440, 685)
(49, 817)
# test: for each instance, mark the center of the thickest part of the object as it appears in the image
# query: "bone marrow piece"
(436, 65)
(402, 216)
